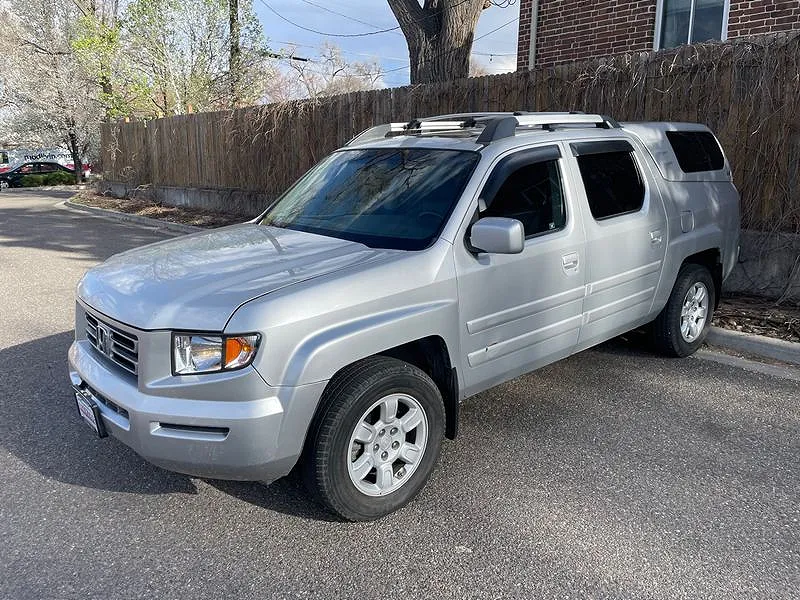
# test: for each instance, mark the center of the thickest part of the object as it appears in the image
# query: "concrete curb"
(759, 345)
(137, 219)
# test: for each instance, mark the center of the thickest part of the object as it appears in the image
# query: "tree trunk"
(77, 161)
(439, 59)
(439, 36)
(235, 61)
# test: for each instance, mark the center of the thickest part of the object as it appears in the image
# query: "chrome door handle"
(655, 237)
(569, 262)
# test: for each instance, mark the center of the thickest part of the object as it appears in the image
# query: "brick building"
(557, 31)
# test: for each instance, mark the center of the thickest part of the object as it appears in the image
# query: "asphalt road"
(613, 474)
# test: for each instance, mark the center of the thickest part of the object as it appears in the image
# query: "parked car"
(13, 177)
(417, 266)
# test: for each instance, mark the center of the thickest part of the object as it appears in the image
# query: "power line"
(347, 35)
(343, 51)
(330, 10)
(342, 35)
(393, 70)
(494, 53)
(480, 37)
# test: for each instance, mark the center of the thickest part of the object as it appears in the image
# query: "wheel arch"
(432, 356)
(711, 259)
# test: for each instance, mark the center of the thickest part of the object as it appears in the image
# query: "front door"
(521, 311)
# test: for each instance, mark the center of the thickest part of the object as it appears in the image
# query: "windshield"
(382, 197)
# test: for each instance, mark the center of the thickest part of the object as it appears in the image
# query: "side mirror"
(497, 235)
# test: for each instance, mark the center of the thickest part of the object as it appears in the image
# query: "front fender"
(321, 355)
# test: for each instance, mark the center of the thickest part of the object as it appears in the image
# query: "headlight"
(200, 353)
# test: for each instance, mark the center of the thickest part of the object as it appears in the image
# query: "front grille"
(120, 347)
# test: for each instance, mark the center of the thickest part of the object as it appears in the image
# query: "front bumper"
(258, 436)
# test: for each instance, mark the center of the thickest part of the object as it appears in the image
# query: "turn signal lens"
(239, 351)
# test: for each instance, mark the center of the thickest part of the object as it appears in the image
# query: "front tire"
(681, 327)
(375, 440)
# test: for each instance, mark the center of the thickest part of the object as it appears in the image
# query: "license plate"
(89, 412)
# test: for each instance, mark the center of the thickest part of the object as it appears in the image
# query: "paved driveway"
(613, 474)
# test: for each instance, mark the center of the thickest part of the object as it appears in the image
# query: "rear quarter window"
(696, 151)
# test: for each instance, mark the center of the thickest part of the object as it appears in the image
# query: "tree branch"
(408, 13)
(41, 50)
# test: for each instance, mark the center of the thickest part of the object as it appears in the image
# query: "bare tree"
(332, 74)
(477, 68)
(439, 35)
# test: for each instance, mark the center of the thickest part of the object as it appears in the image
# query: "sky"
(496, 52)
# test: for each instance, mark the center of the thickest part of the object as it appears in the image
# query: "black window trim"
(604, 147)
(517, 160)
(600, 147)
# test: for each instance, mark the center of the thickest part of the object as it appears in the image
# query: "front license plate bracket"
(90, 412)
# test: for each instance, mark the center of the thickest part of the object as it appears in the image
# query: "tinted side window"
(696, 151)
(613, 183)
(532, 194)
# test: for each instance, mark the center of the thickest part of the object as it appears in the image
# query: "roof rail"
(417, 126)
(547, 121)
(496, 126)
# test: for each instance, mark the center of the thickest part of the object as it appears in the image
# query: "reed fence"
(747, 91)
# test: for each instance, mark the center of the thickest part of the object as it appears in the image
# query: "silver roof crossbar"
(532, 120)
(423, 126)
(496, 126)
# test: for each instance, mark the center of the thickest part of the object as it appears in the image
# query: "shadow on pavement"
(39, 425)
(287, 495)
(42, 227)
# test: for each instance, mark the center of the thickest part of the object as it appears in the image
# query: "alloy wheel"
(694, 312)
(387, 444)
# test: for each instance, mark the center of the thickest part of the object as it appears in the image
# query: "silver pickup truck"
(417, 266)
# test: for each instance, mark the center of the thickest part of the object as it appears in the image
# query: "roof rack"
(495, 126)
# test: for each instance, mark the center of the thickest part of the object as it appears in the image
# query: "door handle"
(569, 262)
(655, 237)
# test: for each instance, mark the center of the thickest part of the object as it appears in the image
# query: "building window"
(689, 21)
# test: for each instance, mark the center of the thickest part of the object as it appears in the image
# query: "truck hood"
(198, 281)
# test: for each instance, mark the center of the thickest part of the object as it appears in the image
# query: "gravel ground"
(750, 314)
(145, 208)
(612, 474)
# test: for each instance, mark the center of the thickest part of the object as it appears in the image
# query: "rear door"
(521, 311)
(626, 236)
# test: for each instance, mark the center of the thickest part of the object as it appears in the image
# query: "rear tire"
(375, 440)
(681, 327)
